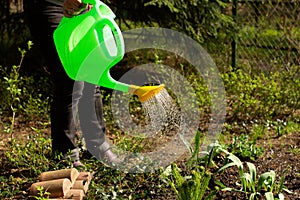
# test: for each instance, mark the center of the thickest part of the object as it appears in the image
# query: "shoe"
(78, 164)
(73, 157)
(112, 158)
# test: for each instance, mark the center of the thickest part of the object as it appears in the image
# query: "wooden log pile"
(63, 184)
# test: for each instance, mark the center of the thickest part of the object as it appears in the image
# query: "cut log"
(81, 185)
(84, 176)
(56, 188)
(83, 181)
(71, 174)
(75, 194)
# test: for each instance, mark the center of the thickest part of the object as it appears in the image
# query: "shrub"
(260, 96)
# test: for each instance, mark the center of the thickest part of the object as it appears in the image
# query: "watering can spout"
(108, 82)
(145, 93)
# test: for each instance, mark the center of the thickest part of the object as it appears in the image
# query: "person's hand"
(72, 7)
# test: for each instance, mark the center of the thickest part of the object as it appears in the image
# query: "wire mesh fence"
(267, 33)
(266, 36)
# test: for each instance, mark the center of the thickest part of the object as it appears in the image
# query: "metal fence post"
(234, 43)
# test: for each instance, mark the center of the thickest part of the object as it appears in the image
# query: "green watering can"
(90, 44)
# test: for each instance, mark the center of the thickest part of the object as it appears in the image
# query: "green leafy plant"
(13, 88)
(281, 127)
(209, 22)
(259, 130)
(189, 187)
(31, 155)
(204, 158)
(294, 149)
(245, 148)
(292, 126)
(36, 107)
(255, 186)
(259, 96)
(195, 184)
(10, 186)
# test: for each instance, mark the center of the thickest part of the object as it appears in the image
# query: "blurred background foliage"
(253, 43)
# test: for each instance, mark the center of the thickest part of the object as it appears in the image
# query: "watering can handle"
(92, 2)
(96, 4)
(117, 36)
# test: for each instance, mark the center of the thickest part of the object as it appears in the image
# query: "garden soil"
(280, 153)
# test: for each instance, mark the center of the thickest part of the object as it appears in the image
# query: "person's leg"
(90, 110)
(43, 19)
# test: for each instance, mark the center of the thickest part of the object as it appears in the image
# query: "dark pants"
(69, 96)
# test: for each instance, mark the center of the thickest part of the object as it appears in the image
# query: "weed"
(113, 184)
(13, 81)
(12, 187)
(37, 108)
(294, 149)
(292, 127)
(42, 194)
(127, 142)
(281, 127)
(259, 130)
(31, 155)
